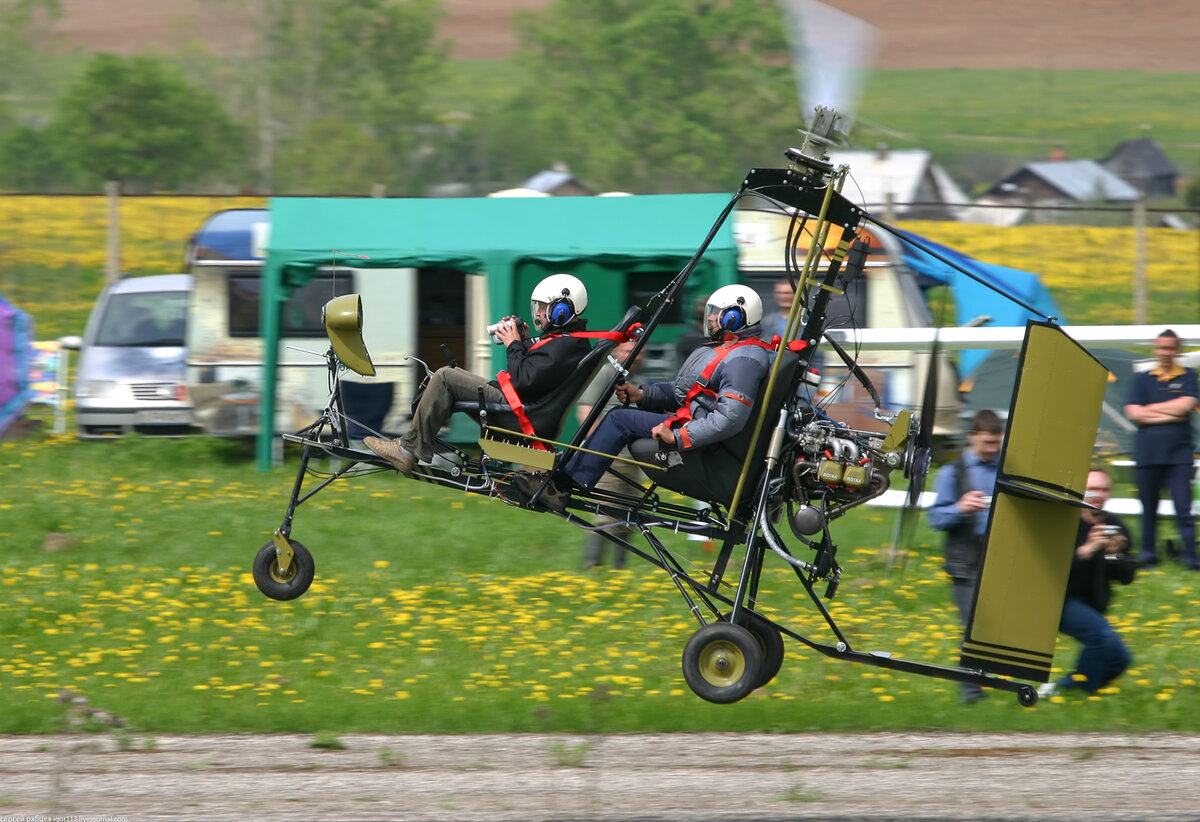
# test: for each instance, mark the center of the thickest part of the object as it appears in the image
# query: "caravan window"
(301, 314)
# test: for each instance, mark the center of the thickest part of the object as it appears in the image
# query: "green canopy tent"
(512, 241)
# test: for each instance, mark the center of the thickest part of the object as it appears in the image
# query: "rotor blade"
(830, 51)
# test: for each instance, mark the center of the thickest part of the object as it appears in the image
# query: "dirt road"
(694, 777)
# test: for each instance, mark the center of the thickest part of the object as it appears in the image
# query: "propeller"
(917, 458)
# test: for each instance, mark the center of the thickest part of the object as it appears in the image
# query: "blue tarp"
(973, 298)
(15, 392)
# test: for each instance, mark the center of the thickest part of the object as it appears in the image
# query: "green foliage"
(138, 121)
(674, 95)
(342, 89)
(1191, 194)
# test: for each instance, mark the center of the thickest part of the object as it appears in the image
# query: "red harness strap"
(684, 414)
(514, 400)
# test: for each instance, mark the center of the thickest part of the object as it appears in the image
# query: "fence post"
(1139, 260)
(112, 266)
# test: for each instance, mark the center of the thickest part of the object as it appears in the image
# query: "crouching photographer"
(1101, 557)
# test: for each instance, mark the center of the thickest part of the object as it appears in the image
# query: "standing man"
(775, 323)
(1099, 559)
(964, 496)
(1160, 403)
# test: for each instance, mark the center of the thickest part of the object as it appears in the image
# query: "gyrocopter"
(771, 494)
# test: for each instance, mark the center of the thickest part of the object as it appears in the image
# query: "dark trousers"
(964, 596)
(619, 427)
(1178, 481)
(1103, 657)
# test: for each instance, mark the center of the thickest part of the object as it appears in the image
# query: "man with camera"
(535, 367)
(1100, 558)
(960, 509)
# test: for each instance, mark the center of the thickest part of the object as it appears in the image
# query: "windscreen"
(143, 319)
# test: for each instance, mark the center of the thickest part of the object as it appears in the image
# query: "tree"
(135, 120)
(655, 95)
(336, 92)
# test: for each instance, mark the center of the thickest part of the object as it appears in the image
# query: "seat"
(548, 414)
(711, 474)
(366, 405)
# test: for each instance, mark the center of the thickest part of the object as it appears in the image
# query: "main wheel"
(770, 642)
(722, 662)
(277, 583)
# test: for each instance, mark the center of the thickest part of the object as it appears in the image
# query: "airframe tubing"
(711, 598)
(819, 237)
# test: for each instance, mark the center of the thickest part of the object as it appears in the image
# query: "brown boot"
(391, 451)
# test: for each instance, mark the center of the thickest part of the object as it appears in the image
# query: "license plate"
(181, 416)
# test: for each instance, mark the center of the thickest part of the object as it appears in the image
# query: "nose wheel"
(722, 663)
(282, 577)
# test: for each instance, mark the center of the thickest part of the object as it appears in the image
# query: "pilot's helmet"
(564, 298)
(730, 310)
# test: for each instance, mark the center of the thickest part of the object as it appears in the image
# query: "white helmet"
(731, 308)
(564, 297)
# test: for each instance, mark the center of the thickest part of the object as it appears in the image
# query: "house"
(557, 182)
(1061, 182)
(900, 184)
(1143, 165)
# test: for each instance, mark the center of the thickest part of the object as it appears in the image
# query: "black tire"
(1027, 696)
(280, 585)
(770, 642)
(721, 662)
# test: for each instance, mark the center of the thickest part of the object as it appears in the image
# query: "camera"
(1111, 530)
(493, 329)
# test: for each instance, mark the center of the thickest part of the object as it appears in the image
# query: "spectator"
(775, 323)
(594, 544)
(1099, 559)
(960, 508)
(1160, 403)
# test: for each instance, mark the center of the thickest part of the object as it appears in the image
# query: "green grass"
(126, 579)
(963, 117)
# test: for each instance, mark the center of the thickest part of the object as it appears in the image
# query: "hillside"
(1152, 35)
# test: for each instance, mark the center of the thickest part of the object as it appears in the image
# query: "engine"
(834, 469)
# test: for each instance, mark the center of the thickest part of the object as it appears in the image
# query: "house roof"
(1139, 158)
(1078, 180)
(896, 174)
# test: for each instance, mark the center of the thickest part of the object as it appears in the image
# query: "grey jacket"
(737, 383)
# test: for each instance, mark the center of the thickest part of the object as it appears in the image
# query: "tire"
(722, 662)
(770, 642)
(277, 584)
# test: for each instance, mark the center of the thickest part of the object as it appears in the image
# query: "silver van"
(130, 374)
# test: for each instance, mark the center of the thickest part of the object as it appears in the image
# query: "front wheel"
(277, 583)
(722, 662)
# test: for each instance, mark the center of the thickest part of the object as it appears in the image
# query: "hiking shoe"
(1047, 690)
(552, 496)
(391, 451)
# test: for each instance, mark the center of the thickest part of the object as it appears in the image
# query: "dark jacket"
(1091, 579)
(538, 369)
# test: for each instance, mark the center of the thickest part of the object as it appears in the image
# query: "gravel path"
(693, 777)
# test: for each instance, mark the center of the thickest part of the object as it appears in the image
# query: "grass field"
(126, 579)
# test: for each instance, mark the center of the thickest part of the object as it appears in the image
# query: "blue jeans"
(1103, 657)
(619, 427)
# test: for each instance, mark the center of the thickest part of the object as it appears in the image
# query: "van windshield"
(143, 319)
